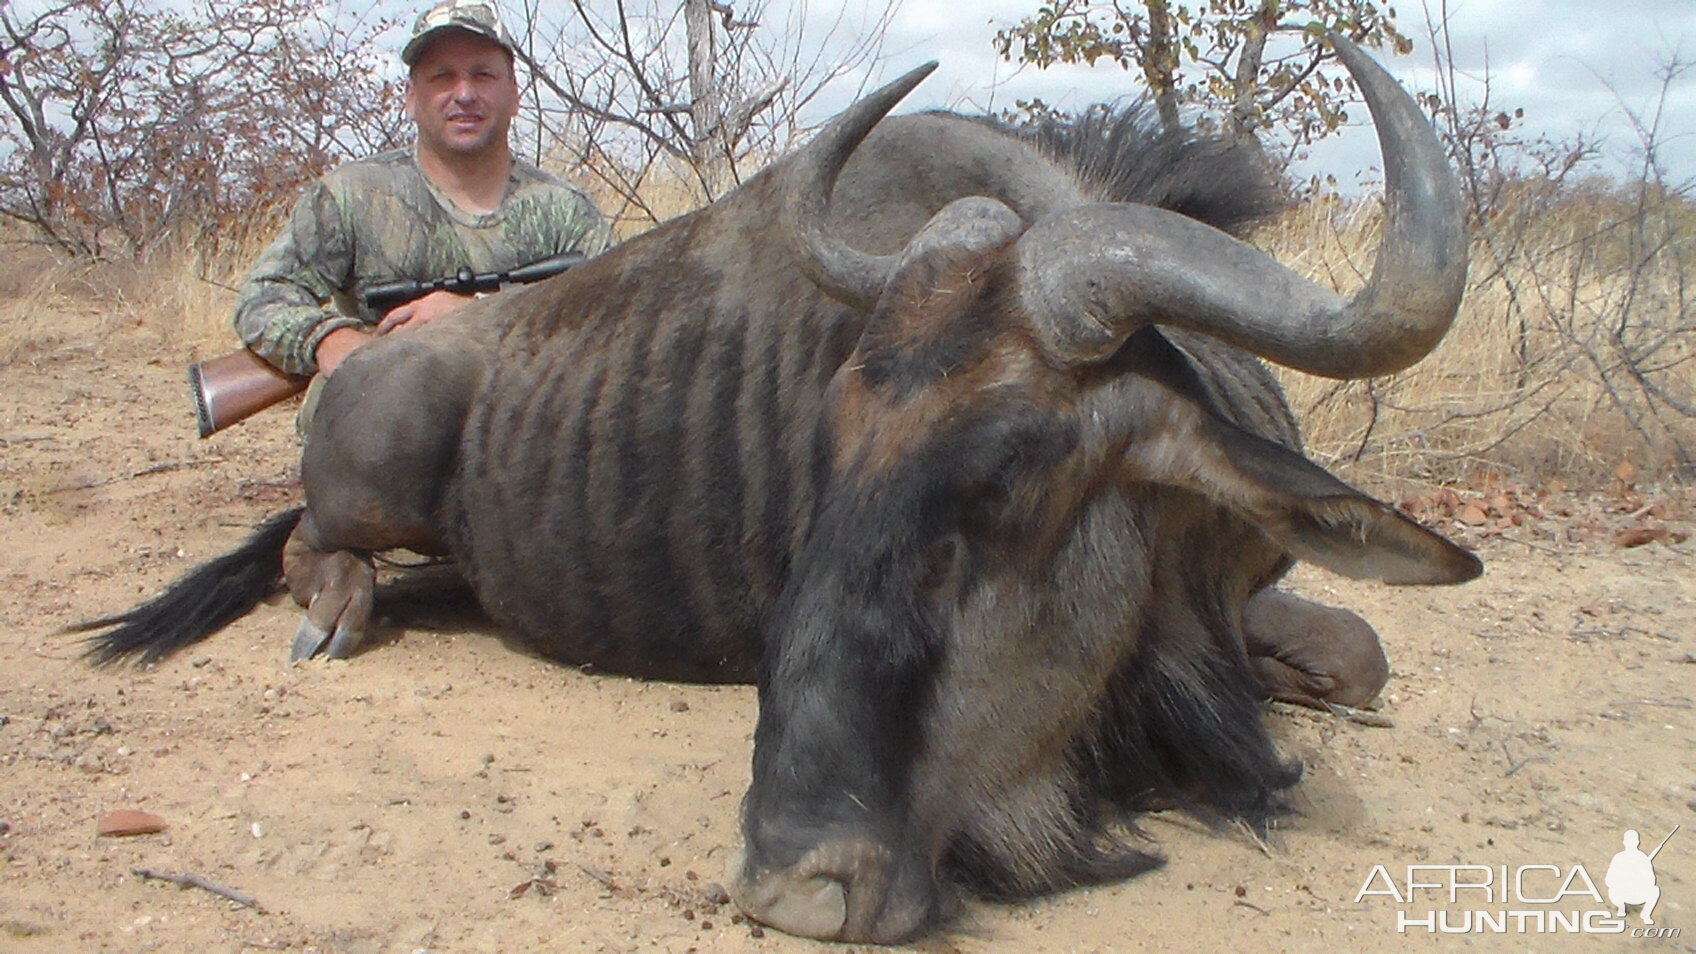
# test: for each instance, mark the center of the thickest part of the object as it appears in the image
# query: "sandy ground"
(445, 792)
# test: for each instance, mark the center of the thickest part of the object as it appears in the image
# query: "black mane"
(1123, 152)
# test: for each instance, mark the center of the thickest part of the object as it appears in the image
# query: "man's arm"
(334, 347)
(284, 312)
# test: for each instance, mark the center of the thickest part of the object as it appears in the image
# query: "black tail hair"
(203, 601)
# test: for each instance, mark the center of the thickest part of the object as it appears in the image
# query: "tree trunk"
(706, 109)
(1160, 63)
(1246, 82)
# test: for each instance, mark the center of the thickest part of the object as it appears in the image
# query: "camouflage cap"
(477, 17)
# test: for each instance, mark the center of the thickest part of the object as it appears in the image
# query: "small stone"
(127, 821)
(542, 846)
(497, 839)
(202, 662)
(754, 930)
(678, 705)
(717, 895)
(5, 827)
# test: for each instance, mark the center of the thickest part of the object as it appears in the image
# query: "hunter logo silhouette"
(1631, 876)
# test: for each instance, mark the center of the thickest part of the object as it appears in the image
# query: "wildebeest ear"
(1312, 514)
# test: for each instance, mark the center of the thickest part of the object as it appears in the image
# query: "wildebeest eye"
(943, 567)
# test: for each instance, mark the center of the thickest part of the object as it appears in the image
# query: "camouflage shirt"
(380, 220)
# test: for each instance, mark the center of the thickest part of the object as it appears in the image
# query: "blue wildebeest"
(956, 440)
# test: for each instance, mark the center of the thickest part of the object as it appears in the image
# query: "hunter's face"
(462, 95)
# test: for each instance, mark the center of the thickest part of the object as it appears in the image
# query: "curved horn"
(853, 278)
(972, 224)
(1092, 276)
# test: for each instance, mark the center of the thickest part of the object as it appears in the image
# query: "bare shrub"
(1572, 353)
(131, 121)
(662, 106)
(1573, 350)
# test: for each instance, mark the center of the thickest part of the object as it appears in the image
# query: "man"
(457, 199)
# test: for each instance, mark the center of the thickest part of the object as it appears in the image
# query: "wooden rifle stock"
(237, 385)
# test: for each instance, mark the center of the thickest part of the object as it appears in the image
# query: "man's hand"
(421, 311)
(337, 345)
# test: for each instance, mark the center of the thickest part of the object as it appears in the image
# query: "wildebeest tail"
(205, 600)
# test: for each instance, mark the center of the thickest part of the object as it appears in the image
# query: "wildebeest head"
(1019, 608)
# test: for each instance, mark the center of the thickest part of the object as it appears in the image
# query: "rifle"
(237, 385)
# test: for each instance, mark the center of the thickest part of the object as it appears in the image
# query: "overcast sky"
(1574, 66)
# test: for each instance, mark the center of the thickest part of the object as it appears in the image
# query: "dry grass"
(1572, 354)
(1573, 351)
(175, 303)
(659, 190)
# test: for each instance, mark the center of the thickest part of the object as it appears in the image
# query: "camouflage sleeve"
(594, 232)
(285, 307)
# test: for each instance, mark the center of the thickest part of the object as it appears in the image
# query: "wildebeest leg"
(378, 455)
(336, 588)
(1310, 654)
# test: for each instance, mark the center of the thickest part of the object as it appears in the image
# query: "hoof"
(338, 590)
(311, 640)
(839, 891)
(815, 908)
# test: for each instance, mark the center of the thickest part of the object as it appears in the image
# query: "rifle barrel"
(1664, 841)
